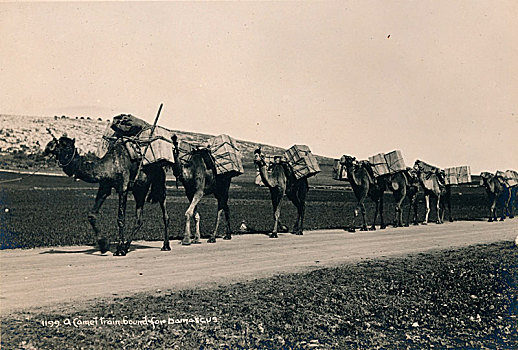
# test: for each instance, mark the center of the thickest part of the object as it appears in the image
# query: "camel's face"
(61, 148)
(485, 177)
(418, 167)
(258, 157)
(347, 160)
(51, 147)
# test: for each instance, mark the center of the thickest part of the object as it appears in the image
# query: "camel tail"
(157, 192)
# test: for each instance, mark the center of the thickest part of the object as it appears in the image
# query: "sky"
(437, 80)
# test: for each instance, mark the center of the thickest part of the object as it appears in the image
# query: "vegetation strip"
(463, 298)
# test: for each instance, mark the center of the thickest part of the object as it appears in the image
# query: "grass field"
(463, 298)
(52, 211)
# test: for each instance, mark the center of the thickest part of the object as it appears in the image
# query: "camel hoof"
(416, 223)
(351, 230)
(300, 233)
(104, 245)
(383, 227)
(211, 240)
(451, 220)
(274, 235)
(368, 229)
(186, 243)
(196, 242)
(502, 219)
(120, 253)
(166, 248)
(511, 217)
(227, 237)
(424, 223)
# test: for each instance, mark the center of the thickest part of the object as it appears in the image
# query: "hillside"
(28, 135)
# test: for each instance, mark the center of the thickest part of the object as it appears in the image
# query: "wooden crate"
(303, 162)
(450, 176)
(160, 149)
(185, 150)
(395, 161)
(463, 174)
(226, 154)
(339, 171)
(379, 164)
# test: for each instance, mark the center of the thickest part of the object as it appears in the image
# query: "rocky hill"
(28, 135)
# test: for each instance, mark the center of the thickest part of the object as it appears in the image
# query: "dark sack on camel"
(128, 125)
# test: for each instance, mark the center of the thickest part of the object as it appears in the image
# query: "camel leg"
(165, 218)
(188, 216)
(121, 222)
(448, 202)
(510, 203)
(212, 239)
(373, 227)
(228, 231)
(414, 206)
(197, 221)
(427, 212)
(438, 208)
(492, 206)
(276, 203)
(223, 208)
(103, 193)
(382, 226)
(302, 209)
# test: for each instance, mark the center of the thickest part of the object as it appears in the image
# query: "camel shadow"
(95, 251)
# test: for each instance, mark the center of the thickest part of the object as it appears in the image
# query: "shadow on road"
(95, 251)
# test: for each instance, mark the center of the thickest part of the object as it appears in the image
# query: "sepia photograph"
(259, 174)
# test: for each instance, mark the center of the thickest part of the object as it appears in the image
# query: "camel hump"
(370, 173)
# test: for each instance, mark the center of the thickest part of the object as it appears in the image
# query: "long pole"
(147, 145)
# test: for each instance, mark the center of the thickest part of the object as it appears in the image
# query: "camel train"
(134, 157)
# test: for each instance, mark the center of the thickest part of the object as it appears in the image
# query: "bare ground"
(54, 277)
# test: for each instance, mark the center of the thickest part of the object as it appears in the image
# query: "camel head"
(418, 166)
(63, 149)
(485, 177)
(259, 157)
(347, 160)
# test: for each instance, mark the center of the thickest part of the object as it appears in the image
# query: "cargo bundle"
(457, 175)
(510, 177)
(227, 156)
(427, 168)
(303, 162)
(137, 135)
(339, 171)
(389, 163)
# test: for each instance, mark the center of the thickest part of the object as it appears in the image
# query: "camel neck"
(81, 169)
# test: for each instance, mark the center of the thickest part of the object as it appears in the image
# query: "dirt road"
(46, 277)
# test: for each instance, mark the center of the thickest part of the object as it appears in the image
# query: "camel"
(282, 181)
(432, 186)
(198, 177)
(399, 185)
(364, 185)
(498, 194)
(115, 170)
(412, 191)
